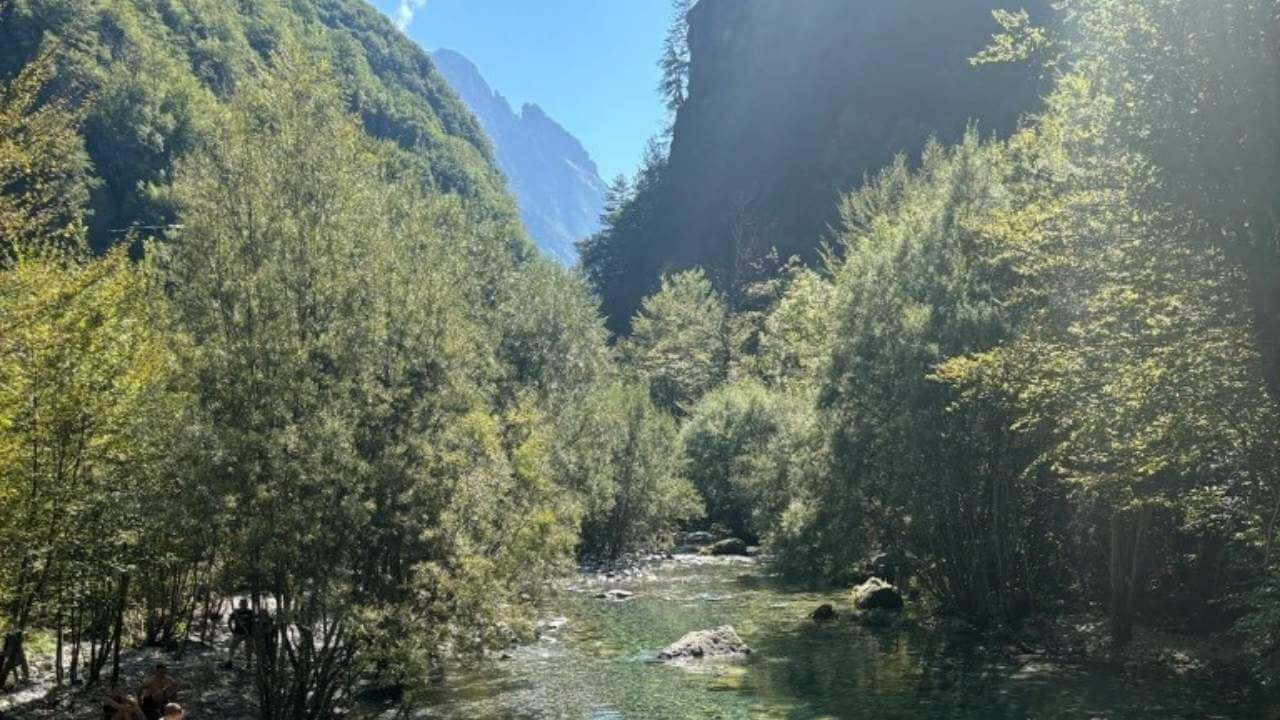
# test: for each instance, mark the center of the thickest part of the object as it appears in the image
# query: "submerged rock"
(728, 546)
(824, 613)
(615, 594)
(876, 594)
(721, 643)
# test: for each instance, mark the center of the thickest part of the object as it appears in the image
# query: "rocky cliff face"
(790, 105)
(554, 180)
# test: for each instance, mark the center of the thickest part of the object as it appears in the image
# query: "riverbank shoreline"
(209, 691)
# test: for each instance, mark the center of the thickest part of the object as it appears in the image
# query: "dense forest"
(269, 326)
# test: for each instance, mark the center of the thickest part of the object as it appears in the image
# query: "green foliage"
(1138, 360)
(1038, 343)
(348, 354)
(609, 258)
(620, 456)
(795, 335)
(1020, 40)
(674, 64)
(553, 341)
(43, 168)
(790, 491)
(724, 445)
(681, 341)
(1040, 370)
(150, 74)
(89, 384)
(929, 475)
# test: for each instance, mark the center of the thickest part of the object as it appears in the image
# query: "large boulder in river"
(721, 643)
(876, 594)
(728, 546)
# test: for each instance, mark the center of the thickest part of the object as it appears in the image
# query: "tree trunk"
(75, 644)
(57, 658)
(1126, 569)
(115, 635)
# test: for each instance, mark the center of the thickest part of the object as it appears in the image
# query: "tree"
(89, 386)
(89, 382)
(938, 478)
(675, 57)
(681, 341)
(44, 171)
(611, 258)
(619, 454)
(795, 335)
(385, 489)
(1135, 359)
(722, 447)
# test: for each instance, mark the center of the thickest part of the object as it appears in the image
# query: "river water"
(600, 665)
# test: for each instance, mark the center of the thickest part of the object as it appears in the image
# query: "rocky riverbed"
(603, 660)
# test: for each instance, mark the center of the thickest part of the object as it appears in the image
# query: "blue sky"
(591, 64)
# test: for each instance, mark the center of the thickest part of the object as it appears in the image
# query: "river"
(600, 665)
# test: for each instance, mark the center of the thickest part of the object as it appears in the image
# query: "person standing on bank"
(240, 623)
(14, 659)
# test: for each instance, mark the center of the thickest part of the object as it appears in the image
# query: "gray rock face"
(721, 643)
(876, 594)
(553, 179)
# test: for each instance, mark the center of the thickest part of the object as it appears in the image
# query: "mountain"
(785, 112)
(152, 71)
(554, 180)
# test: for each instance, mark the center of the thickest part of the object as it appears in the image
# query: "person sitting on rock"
(118, 706)
(240, 622)
(174, 711)
(157, 691)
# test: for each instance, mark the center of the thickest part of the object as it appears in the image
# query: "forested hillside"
(776, 113)
(151, 75)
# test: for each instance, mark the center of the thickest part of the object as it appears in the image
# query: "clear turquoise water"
(600, 666)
